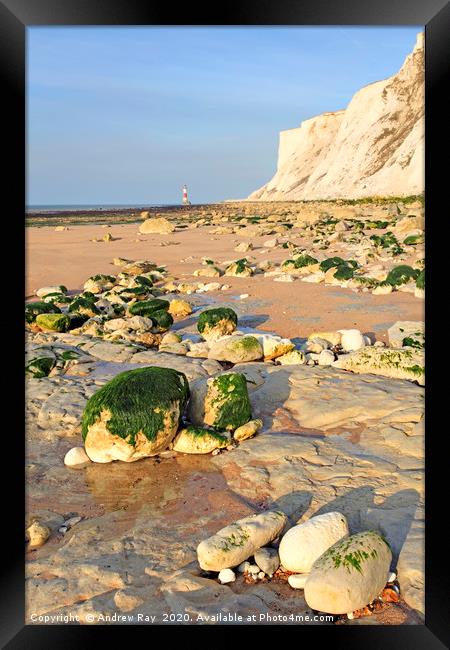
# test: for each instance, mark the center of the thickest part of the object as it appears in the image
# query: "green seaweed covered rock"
(98, 283)
(148, 307)
(84, 306)
(300, 262)
(401, 275)
(220, 402)
(240, 268)
(40, 366)
(214, 323)
(161, 320)
(33, 309)
(134, 415)
(196, 440)
(53, 322)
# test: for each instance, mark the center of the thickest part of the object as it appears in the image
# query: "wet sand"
(291, 309)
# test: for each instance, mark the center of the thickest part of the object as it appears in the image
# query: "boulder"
(349, 575)
(44, 291)
(220, 402)
(304, 543)
(134, 415)
(240, 268)
(235, 543)
(333, 338)
(158, 226)
(53, 322)
(196, 440)
(236, 349)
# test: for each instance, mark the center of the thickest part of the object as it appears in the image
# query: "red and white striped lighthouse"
(185, 196)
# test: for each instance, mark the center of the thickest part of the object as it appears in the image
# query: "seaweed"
(420, 280)
(161, 320)
(33, 309)
(138, 401)
(300, 261)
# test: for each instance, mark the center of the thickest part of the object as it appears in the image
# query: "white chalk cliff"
(375, 147)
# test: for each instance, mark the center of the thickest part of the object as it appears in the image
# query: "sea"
(95, 206)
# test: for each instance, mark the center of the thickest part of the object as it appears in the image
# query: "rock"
(267, 559)
(316, 345)
(107, 237)
(315, 278)
(298, 580)
(236, 349)
(37, 534)
(403, 363)
(235, 543)
(406, 329)
(209, 271)
(220, 402)
(61, 228)
(333, 338)
(274, 346)
(349, 575)
(99, 283)
(199, 350)
(391, 576)
(253, 569)
(271, 243)
(226, 575)
(326, 358)
(195, 440)
(243, 247)
(134, 415)
(247, 430)
(44, 291)
(169, 338)
(244, 567)
(179, 308)
(294, 357)
(286, 277)
(215, 323)
(240, 268)
(159, 226)
(76, 458)
(351, 340)
(304, 543)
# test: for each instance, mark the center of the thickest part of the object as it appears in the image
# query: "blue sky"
(127, 115)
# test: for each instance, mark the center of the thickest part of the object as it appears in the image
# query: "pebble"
(243, 295)
(261, 575)
(63, 529)
(72, 521)
(226, 575)
(326, 358)
(243, 567)
(350, 615)
(254, 569)
(391, 576)
(267, 559)
(297, 580)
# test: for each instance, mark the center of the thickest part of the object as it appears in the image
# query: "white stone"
(326, 358)
(226, 575)
(304, 543)
(76, 458)
(254, 569)
(261, 575)
(237, 542)
(297, 580)
(351, 340)
(349, 575)
(391, 576)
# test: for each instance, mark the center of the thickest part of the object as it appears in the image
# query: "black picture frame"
(15, 17)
